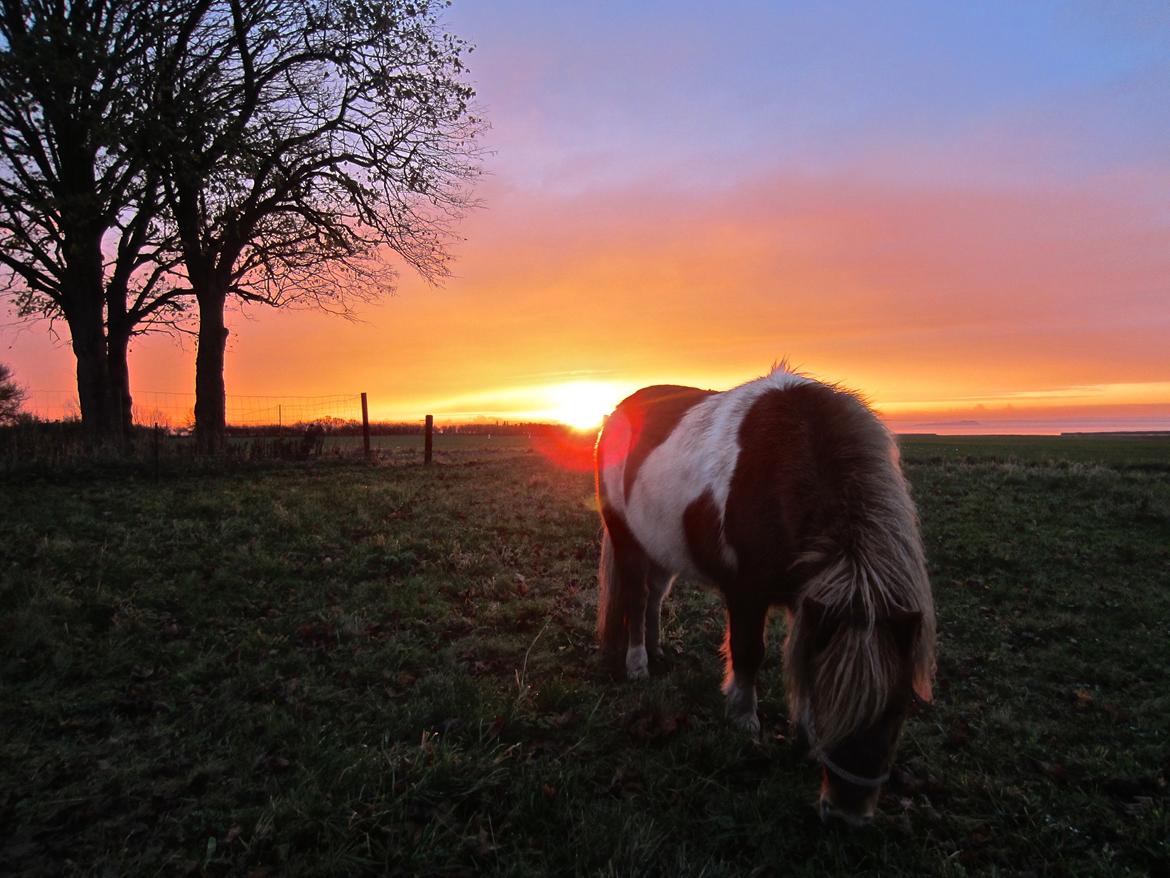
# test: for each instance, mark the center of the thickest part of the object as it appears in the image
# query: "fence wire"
(176, 411)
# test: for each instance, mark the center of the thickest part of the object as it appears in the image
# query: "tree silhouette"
(270, 151)
(299, 145)
(11, 396)
(81, 234)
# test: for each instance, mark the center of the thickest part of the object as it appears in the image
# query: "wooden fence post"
(365, 425)
(157, 442)
(430, 429)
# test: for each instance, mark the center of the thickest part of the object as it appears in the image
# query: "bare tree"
(299, 145)
(81, 234)
(11, 396)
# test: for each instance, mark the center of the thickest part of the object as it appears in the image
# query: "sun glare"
(583, 404)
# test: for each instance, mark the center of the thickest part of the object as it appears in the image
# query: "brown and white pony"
(781, 492)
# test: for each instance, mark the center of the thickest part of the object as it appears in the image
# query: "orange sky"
(939, 305)
(979, 270)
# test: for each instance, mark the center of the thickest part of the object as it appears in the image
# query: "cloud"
(1066, 284)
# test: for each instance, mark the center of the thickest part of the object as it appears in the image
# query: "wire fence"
(176, 411)
(266, 428)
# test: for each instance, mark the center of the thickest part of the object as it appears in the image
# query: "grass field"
(338, 668)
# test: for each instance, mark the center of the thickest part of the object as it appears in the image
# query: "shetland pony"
(781, 492)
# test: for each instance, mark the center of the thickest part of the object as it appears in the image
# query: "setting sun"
(583, 404)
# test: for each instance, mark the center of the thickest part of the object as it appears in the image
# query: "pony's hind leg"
(744, 650)
(633, 576)
(658, 583)
(622, 598)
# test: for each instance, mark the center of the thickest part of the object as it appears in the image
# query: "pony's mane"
(870, 571)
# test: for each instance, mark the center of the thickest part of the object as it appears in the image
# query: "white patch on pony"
(669, 480)
(741, 706)
(699, 455)
(637, 663)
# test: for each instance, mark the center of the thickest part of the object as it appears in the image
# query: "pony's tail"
(611, 623)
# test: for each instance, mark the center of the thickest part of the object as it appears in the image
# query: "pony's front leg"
(744, 651)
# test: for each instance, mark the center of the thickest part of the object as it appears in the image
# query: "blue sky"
(587, 93)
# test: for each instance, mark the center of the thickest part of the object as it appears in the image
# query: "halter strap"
(871, 783)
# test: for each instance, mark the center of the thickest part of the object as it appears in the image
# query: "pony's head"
(852, 672)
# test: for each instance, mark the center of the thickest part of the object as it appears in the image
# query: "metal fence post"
(430, 429)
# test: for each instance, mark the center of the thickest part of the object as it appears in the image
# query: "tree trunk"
(83, 307)
(98, 413)
(210, 395)
(118, 330)
(117, 349)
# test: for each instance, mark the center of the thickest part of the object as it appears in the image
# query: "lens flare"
(583, 404)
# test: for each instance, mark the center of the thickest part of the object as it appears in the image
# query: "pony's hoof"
(749, 723)
(741, 706)
(637, 663)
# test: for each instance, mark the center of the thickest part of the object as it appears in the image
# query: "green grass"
(338, 668)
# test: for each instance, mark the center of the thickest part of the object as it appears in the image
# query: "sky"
(960, 210)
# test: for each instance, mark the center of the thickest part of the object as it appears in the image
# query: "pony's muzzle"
(830, 813)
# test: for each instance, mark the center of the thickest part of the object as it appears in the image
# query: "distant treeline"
(344, 427)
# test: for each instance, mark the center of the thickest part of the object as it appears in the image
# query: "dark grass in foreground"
(338, 668)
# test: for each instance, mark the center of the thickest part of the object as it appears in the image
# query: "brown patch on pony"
(704, 534)
(653, 413)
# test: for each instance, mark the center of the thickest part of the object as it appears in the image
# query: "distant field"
(344, 668)
(1106, 449)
